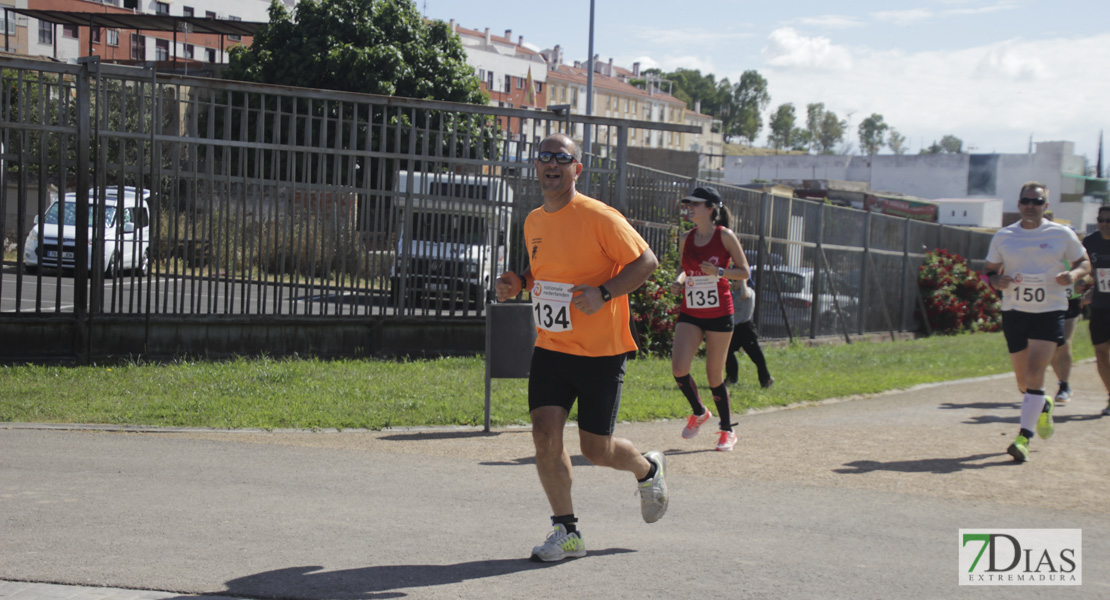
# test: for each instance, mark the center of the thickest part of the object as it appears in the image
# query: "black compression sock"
(567, 521)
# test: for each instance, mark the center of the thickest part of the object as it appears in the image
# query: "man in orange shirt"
(584, 258)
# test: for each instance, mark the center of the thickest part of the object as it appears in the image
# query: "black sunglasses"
(1034, 201)
(1104, 220)
(562, 158)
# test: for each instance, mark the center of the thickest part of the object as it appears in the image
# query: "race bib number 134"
(551, 305)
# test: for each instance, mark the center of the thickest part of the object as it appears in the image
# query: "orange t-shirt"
(585, 242)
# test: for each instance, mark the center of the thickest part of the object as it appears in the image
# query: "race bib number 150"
(551, 305)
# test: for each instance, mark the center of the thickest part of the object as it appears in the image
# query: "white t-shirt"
(1033, 258)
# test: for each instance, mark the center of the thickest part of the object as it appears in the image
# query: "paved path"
(847, 499)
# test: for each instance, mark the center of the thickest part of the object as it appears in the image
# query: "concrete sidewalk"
(861, 498)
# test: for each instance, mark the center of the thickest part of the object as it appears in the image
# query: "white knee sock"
(1031, 407)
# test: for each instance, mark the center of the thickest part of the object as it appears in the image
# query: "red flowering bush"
(956, 299)
(655, 309)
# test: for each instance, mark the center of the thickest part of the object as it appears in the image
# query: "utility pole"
(589, 99)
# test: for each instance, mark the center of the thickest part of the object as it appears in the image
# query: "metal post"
(905, 274)
(80, 291)
(621, 201)
(586, 146)
(865, 260)
(818, 273)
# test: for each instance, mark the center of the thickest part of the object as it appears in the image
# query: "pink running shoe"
(694, 423)
(726, 441)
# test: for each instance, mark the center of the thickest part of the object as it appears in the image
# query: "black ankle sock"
(1028, 434)
(567, 521)
(651, 471)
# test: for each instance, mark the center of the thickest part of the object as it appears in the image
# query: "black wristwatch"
(605, 295)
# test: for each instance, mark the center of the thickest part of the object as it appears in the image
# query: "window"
(539, 87)
(94, 34)
(161, 50)
(574, 98)
(46, 32)
(489, 81)
(11, 23)
(138, 47)
(211, 54)
(519, 83)
(186, 11)
(132, 4)
(234, 37)
(69, 31)
(189, 53)
(481, 74)
(161, 8)
(113, 37)
(209, 14)
(508, 83)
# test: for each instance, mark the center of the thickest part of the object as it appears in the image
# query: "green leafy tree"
(750, 98)
(372, 46)
(784, 133)
(825, 130)
(872, 130)
(379, 47)
(952, 144)
(896, 141)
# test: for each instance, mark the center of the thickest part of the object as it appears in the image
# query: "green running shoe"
(1045, 428)
(1019, 449)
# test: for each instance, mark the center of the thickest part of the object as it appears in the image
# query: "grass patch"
(309, 393)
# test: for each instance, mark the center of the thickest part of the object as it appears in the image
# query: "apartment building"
(617, 99)
(67, 42)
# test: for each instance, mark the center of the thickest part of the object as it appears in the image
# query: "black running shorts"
(1100, 325)
(558, 379)
(1020, 327)
(723, 324)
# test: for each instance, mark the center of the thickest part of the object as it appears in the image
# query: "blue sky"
(992, 72)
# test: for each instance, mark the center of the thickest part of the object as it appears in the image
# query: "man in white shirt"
(1026, 261)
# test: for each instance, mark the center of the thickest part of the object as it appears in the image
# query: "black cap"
(707, 195)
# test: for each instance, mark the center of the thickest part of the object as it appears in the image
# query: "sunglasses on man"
(562, 158)
(1033, 201)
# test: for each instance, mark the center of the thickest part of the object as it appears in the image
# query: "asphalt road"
(861, 498)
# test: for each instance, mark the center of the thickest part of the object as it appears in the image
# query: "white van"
(125, 233)
(452, 239)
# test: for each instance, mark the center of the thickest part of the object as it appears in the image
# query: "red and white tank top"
(705, 296)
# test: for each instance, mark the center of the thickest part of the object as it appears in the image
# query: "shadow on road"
(927, 465)
(423, 436)
(311, 583)
(576, 460)
(980, 405)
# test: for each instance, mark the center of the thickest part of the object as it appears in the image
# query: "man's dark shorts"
(557, 379)
(1020, 327)
(1100, 325)
(722, 324)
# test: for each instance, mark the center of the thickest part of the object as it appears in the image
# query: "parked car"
(125, 233)
(786, 298)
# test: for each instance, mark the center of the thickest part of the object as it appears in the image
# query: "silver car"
(787, 296)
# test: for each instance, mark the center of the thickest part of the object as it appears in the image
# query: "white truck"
(452, 239)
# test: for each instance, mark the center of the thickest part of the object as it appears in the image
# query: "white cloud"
(786, 48)
(903, 17)
(999, 6)
(830, 21)
(993, 97)
(1009, 61)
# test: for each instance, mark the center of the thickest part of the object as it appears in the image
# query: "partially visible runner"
(1062, 359)
(584, 259)
(1025, 261)
(711, 255)
(746, 336)
(1098, 248)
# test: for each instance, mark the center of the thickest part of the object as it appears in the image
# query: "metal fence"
(275, 202)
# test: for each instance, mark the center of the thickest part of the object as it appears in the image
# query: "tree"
(896, 141)
(872, 130)
(750, 98)
(825, 129)
(372, 46)
(951, 144)
(783, 132)
(379, 47)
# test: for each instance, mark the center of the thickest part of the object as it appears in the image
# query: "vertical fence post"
(81, 303)
(818, 273)
(905, 274)
(621, 201)
(863, 272)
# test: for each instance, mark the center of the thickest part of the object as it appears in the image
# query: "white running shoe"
(560, 545)
(653, 492)
(726, 441)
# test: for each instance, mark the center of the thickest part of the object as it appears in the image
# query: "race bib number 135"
(551, 305)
